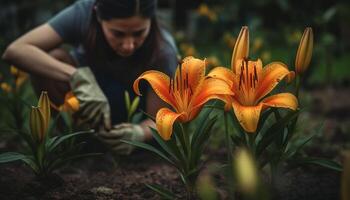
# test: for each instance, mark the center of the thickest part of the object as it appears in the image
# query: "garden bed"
(105, 178)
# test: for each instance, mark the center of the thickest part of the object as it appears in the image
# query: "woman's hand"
(124, 131)
(94, 105)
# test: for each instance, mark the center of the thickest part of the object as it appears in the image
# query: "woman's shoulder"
(168, 39)
(72, 22)
(85, 3)
(83, 8)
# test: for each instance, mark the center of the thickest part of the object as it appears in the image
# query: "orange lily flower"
(20, 76)
(71, 103)
(250, 83)
(186, 93)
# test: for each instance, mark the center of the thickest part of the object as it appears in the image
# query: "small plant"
(46, 152)
(131, 108)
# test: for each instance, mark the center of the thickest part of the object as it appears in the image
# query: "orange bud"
(241, 49)
(44, 106)
(37, 124)
(304, 52)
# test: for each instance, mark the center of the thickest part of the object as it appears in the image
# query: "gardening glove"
(124, 131)
(94, 106)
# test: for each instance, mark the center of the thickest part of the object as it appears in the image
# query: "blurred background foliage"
(275, 27)
(208, 29)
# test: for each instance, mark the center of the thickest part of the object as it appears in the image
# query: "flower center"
(181, 90)
(248, 81)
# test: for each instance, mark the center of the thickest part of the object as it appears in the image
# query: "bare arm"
(29, 53)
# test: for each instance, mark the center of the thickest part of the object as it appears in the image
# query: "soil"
(105, 178)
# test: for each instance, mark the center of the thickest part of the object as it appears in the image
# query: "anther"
(251, 80)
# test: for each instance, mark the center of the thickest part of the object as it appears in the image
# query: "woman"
(114, 42)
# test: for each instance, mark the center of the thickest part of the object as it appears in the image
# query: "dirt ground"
(105, 178)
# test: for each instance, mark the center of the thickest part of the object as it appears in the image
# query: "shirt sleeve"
(72, 22)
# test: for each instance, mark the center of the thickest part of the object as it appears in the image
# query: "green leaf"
(281, 135)
(291, 127)
(135, 119)
(30, 161)
(127, 100)
(237, 125)
(134, 105)
(50, 141)
(292, 150)
(263, 119)
(178, 153)
(61, 139)
(149, 148)
(330, 164)
(11, 157)
(168, 146)
(204, 115)
(179, 136)
(165, 193)
(201, 142)
(272, 132)
(205, 133)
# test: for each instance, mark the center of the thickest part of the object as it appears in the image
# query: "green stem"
(186, 138)
(229, 157)
(189, 180)
(228, 140)
(274, 172)
(298, 81)
(251, 142)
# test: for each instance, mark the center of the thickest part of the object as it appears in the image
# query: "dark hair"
(97, 49)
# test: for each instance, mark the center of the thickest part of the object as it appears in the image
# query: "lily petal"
(212, 88)
(165, 119)
(222, 73)
(71, 103)
(192, 71)
(160, 84)
(281, 100)
(248, 116)
(272, 74)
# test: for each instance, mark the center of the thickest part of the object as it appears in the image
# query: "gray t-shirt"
(72, 25)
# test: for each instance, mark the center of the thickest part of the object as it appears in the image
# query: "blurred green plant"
(47, 152)
(15, 95)
(131, 108)
(276, 31)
